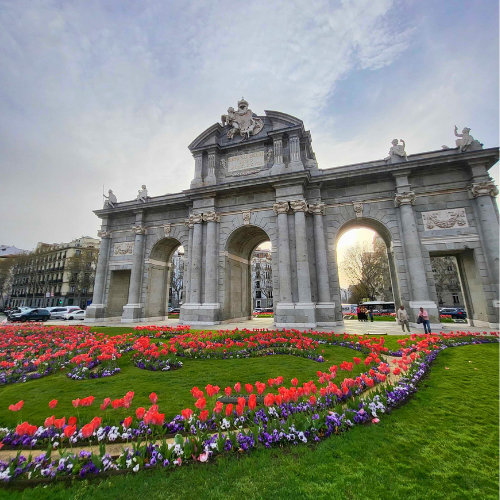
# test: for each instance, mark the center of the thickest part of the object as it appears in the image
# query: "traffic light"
(60, 302)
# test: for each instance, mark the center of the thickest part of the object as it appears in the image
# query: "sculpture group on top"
(242, 121)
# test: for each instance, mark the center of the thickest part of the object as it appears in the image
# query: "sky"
(110, 93)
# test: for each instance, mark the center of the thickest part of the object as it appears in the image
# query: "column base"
(277, 168)
(132, 313)
(295, 166)
(96, 313)
(325, 314)
(299, 315)
(200, 314)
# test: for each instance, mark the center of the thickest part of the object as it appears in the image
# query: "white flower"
(136, 468)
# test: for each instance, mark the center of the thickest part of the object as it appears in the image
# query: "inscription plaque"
(125, 248)
(245, 162)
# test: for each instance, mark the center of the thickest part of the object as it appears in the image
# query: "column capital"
(404, 198)
(139, 229)
(486, 188)
(104, 234)
(298, 205)
(211, 217)
(317, 208)
(281, 207)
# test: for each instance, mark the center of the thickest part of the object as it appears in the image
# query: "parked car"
(75, 314)
(454, 312)
(59, 312)
(31, 315)
(17, 310)
(174, 310)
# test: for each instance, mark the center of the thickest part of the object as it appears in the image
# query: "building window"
(258, 303)
(257, 284)
(434, 270)
(258, 294)
(449, 268)
(455, 298)
(78, 253)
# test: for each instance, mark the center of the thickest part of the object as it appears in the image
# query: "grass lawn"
(443, 444)
(173, 388)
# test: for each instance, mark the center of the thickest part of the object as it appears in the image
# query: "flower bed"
(291, 414)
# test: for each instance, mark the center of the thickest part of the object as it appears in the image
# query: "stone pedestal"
(278, 165)
(133, 310)
(295, 160)
(97, 310)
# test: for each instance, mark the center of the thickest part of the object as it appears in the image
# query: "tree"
(446, 276)
(81, 268)
(6, 268)
(366, 268)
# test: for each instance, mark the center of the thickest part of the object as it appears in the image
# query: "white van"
(59, 312)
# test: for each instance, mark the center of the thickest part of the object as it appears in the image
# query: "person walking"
(402, 317)
(370, 313)
(358, 312)
(425, 320)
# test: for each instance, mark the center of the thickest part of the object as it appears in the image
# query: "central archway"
(237, 304)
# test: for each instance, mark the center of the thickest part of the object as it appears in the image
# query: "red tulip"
(396, 371)
(242, 402)
(294, 381)
(218, 407)
(239, 410)
(140, 413)
(249, 388)
(201, 403)
(59, 422)
(153, 398)
(229, 410)
(158, 418)
(356, 361)
(76, 402)
(228, 391)
(260, 387)
(69, 430)
(204, 415)
(87, 430)
(252, 401)
(105, 403)
(312, 400)
(96, 422)
(71, 420)
(49, 421)
(268, 399)
(270, 382)
(53, 403)
(278, 399)
(127, 422)
(17, 406)
(237, 387)
(186, 414)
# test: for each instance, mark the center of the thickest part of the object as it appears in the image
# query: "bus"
(380, 306)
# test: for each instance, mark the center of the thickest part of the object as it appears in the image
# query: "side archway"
(158, 278)
(240, 244)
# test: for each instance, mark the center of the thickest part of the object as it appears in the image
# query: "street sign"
(47, 294)
(51, 294)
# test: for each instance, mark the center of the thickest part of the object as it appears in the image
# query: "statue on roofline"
(242, 121)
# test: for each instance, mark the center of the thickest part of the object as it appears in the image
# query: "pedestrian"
(358, 313)
(370, 313)
(402, 317)
(425, 320)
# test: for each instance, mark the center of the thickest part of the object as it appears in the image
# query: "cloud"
(111, 93)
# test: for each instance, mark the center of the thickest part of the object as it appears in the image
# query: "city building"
(176, 279)
(447, 280)
(7, 255)
(262, 279)
(56, 274)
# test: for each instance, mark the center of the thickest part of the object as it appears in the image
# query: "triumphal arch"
(256, 178)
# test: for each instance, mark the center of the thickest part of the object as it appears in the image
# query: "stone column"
(212, 160)
(196, 259)
(304, 310)
(211, 260)
(187, 268)
(96, 310)
(198, 165)
(303, 276)
(414, 261)
(484, 193)
(281, 209)
(318, 211)
(133, 309)
(295, 161)
(278, 165)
